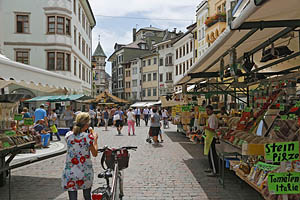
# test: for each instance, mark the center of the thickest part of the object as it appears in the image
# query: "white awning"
(34, 77)
(139, 104)
(279, 11)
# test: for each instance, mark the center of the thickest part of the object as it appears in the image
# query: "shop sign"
(266, 167)
(18, 117)
(28, 121)
(284, 183)
(282, 151)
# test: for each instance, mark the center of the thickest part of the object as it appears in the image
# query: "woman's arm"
(94, 146)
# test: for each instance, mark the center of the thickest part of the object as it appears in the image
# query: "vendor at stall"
(45, 136)
(210, 141)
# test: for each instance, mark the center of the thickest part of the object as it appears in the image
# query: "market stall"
(12, 138)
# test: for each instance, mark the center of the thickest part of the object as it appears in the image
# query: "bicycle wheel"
(121, 185)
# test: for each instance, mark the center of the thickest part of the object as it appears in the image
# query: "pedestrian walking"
(92, 114)
(155, 125)
(137, 113)
(40, 113)
(53, 123)
(106, 117)
(118, 120)
(146, 113)
(26, 113)
(131, 121)
(68, 117)
(99, 117)
(210, 141)
(165, 117)
(78, 173)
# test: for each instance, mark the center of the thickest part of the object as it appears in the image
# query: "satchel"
(116, 117)
(108, 159)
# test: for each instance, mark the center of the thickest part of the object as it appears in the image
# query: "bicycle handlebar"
(115, 150)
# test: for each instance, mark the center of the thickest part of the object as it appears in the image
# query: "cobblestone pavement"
(173, 170)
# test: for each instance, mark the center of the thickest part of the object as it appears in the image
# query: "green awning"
(59, 98)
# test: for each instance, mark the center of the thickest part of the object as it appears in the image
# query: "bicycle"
(116, 160)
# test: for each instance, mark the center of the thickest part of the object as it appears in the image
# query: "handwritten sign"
(284, 117)
(276, 128)
(28, 121)
(284, 183)
(281, 107)
(18, 117)
(6, 145)
(10, 133)
(266, 166)
(282, 151)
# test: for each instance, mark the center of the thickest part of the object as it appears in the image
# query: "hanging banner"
(282, 151)
(284, 183)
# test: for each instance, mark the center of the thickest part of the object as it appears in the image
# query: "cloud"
(119, 30)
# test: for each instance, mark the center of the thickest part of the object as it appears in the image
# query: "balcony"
(216, 24)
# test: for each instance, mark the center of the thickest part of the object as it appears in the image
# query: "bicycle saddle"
(105, 174)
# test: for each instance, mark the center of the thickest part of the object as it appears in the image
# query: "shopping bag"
(116, 117)
(53, 129)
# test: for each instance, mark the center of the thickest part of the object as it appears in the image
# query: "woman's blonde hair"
(25, 109)
(81, 120)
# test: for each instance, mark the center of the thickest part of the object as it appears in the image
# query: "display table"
(11, 152)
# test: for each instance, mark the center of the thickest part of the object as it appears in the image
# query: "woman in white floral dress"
(78, 173)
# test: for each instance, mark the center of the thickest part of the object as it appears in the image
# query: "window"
(75, 37)
(180, 52)
(60, 25)
(134, 95)
(51, 24)
(79, 71)
(144, 63)
(60, 61)
(74, 7)
(195, 35)
(149, 77)
(169, 60)
(75, 66)
(86, 50)
(169, 76)
(134, 70)
(83, 47)
(83, 20)
(68, 27)
(203, 32)
(127, 84)
(79, 13)
(134, 83)
(161, 62)
(219, 9)
(22, 57)
(196, 53)
(154, 61)
(144, 92)
(161, 77)
(149, 92)
(22, 24)
(79, 41)
(51, 60)
(187, 65)
(176, 53)
(149, 62)
(183, 49)
(144, 78)
(154, 92)
(154, 76)
(176, 70)
(128, 73)
(83, 73)
(200, 35)
(183, 67)
(187, 48)
(191, 46)
(180, 69)
(191, 62)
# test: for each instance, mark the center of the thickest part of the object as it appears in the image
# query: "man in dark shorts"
(155, 125)
(118, 120)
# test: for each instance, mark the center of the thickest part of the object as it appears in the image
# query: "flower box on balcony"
(219, 17)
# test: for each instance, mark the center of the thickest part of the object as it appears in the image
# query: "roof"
(135, 44)
(104, 95)
(99, 51)
(150, 29)
(59, 98)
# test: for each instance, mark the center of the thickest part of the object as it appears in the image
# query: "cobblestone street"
(173, 170)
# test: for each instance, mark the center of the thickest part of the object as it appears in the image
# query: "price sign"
(281, 107)
(297, 104)
(284, 117)
(28, 121)
(18, 117)
(284, 183)
(292, 116)
(202, 109)
(247, 109)
(282, 151)
(185, 108)
(266, 166)
(10, 133)
(276, 128)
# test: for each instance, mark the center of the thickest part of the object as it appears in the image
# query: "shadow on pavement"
(235, 189)
(37, 188)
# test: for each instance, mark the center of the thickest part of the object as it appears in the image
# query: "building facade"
(51, 35)
(136, 83)
(184, 54)
(201, 44)
(99, 74)
(128, 79)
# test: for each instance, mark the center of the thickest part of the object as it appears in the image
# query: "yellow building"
(216, 21)
(149, 68)
(127, 81)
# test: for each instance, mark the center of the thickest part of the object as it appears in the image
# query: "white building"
(136, 83)
(184, 54)
(51, 35)
(100, 84)
(201, 15)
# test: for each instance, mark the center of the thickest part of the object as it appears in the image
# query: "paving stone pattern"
(173, 170)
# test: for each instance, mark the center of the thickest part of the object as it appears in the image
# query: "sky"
(115, 19)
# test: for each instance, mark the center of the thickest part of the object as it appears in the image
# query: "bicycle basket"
(122, 155)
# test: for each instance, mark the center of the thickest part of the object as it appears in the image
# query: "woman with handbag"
(78, 173)
(118, 120)
(53, 125)
(130, 121)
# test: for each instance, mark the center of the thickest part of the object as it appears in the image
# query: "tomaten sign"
(282, 151)
(284, 183)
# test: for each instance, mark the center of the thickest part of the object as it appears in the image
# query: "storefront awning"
(34, 77)
(58, 98)
(252, 40)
